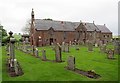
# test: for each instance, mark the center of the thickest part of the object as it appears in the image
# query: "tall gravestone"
(58, 55)
(36, 52)
(103, 48)
(63, 46)
(90, 46)
(44, 55)
(66, 47)
(117, 47)
(71, 63)
(110, 54)
(13, 66)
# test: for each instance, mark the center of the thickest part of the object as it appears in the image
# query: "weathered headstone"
(90, 46)
(13, 67)
(16, 66)
(117, 47)
(71, 63)
(96, 45)
(44, 55)
(100, 43)
(110, 54)
(58, 55)
(66, 47)
(63, 46)
(103, 48)
(36, 52)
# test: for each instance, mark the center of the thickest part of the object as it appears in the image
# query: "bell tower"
(32, 16)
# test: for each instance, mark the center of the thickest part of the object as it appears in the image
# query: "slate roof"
(41, 24)
(91, 27)
(103, 29)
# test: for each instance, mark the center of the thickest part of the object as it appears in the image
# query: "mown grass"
(36, 70)
(0, 64)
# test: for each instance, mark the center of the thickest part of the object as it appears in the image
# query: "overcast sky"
(15, 13)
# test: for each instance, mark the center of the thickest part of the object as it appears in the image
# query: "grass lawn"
(36, 70)
(0, 64)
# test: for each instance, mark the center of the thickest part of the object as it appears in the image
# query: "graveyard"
(36, 69)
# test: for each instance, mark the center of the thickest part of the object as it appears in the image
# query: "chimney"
(80, 21)
(104, 25)
(61, 22)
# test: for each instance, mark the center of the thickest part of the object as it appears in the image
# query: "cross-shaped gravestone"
(44, 55)
(58, 55)
(71, 63)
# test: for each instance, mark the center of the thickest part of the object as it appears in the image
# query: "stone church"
(47, 31)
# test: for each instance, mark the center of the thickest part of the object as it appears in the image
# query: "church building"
(47, 31)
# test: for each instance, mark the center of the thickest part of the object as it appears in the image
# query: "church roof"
(91, 27)
(103, 29)
(42, 24)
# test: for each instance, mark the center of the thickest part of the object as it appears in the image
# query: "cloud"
(14, 13)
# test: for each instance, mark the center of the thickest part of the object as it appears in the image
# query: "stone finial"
(10, 33)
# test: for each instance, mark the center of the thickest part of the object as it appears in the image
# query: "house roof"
(41, 24)
(103, 29)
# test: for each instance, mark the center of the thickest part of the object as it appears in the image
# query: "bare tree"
(26, 28)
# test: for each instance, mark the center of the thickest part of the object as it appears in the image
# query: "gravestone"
(71, 63)
(66, 47)
(36, 52)
(100, 43)
(44, 55)
(117, 47)
(90, 46)
(58, 55)
(103, 48)
(63, 46)
(16, 66)
(13, 67)
(96, 45)
(110, 54)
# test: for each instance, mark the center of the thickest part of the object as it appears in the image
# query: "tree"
(4, 32)
(26, 28)
(3, 35)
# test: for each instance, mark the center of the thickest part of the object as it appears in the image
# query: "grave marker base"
(89, 74)
(11, 70)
